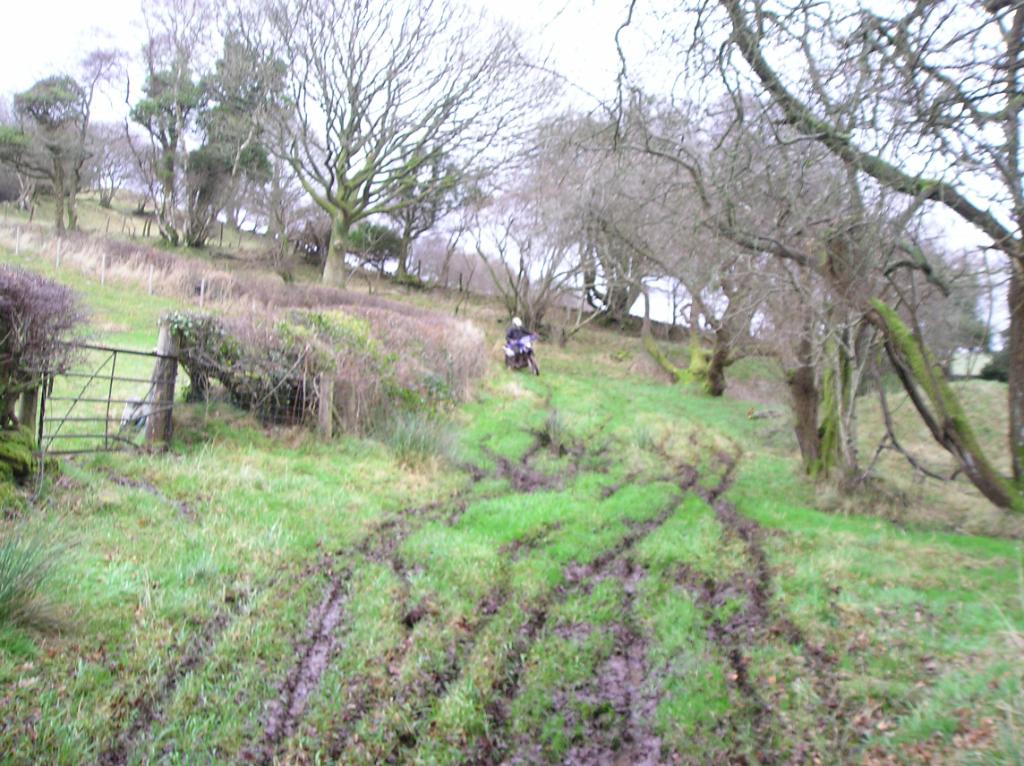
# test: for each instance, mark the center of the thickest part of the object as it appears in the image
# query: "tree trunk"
(402, 267)
(940, 408)
(168, 208)
(806, 399)
(651, 346)
(58, 197)
(72, 210)
(1016, 370)
(334, 267)
(836, 448)
(719, 359)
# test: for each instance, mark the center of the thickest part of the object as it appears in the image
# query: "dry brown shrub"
(433, 358)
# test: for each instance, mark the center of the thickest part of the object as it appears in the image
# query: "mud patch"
(284, 713)
(532, 540)
(622, 681)
(524, 479)
(623, 697)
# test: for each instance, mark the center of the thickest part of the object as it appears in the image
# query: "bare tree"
(753, 188)
(533, 265)
(110, 164)
(382, 90)
(924, 98)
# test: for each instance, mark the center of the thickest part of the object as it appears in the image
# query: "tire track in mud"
(621, 682)
(754, 624)
(149, 706)
(381, 546)
(524, 479)
(325, 622)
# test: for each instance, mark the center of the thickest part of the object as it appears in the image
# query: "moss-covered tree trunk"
(718, 360)
(334, 267)
(651, 346)
(837, 451)
(940, 408)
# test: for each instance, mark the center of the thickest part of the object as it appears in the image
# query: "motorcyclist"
(518, 347)
(516, 331)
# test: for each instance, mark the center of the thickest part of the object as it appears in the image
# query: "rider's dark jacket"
(515, 333)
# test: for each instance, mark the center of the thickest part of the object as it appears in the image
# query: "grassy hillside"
(593, 567)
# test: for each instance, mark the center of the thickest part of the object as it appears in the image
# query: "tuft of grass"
(416, 438)
(26, 566)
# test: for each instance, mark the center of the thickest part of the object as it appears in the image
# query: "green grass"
(487, 586)
(26, 563)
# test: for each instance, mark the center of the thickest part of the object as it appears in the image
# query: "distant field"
(595, 567)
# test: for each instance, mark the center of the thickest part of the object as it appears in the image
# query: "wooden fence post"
(103, 268)
(59, 251)
(149, 284)
(29, 409)
(17, 240)
(159, 426)
(326, 406)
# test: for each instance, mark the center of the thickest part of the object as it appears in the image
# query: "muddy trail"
(621, 683)
(398, 698)
(326, 623)
(758, 623)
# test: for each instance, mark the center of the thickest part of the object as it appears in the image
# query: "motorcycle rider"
(516, 331)
(518, 347)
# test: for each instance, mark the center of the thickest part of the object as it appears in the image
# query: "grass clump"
(416, 437)
(26, 565)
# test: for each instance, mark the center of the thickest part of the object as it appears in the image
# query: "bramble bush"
(380, 361)
(37, 318)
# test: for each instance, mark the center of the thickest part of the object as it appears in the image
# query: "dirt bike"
(519, 354)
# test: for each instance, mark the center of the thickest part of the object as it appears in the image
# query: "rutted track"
(149, 706)
(621, 683)
(754, 624)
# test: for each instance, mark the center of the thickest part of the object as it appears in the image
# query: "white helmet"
(516, 321)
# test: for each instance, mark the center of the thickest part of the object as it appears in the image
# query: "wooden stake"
(60, 244)
(103, 268)
(149, 288)
(202, 293)
(17, 240)
(159, 425)
(29, 409)
(325, 424)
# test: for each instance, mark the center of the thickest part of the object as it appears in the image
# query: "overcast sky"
(44, 38)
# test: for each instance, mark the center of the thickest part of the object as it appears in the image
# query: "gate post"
(29, 409)
(326, 405)
(159, 426)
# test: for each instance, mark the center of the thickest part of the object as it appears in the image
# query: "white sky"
(45, 38)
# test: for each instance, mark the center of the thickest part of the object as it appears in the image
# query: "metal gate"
(101, 403)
